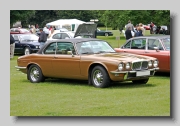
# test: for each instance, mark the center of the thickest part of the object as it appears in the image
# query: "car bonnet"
(86, 29)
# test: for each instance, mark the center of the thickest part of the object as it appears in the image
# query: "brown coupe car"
(86, 59)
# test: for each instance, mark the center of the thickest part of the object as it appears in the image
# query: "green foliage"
(20, 15)
(109, 18)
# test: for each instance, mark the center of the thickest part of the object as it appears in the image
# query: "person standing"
(151, 27)
(12, 46)
(33, 29)
(42, 38)
(130, 25)
(46, 30)
(139, 32)
(129, 33)
(142, 28)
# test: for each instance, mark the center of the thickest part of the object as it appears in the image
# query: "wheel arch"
(91, 68)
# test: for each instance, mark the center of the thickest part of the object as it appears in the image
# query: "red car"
(147, 27)
(19, 31)
(155, 46)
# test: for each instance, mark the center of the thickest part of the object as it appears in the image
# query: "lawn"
(65, 97)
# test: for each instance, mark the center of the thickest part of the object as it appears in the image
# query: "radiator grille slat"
(142, 65)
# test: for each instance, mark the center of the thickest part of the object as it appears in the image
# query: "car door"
(65, 64)
(135, 46)
(162, 55)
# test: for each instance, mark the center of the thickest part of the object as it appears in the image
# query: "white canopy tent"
(70, 24)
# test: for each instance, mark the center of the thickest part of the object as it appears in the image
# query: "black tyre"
(99, 77)
(106, 34)
(27, 51)
(142, 81)
(35, 74)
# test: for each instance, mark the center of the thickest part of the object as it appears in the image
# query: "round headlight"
(155, 64)
(127, 65)
(150, 63)
(120, 66)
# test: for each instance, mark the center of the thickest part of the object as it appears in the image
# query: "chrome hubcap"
(26, 51)
(34, 74)
(97, 77)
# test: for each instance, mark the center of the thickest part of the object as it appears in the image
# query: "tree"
(20, 15)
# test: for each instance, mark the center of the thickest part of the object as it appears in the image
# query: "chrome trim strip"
(126, 72)
(18, 67)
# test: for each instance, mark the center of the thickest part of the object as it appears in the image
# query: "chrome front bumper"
(22, 69)
(128, 75)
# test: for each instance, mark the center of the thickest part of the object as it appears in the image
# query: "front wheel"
(142, 81)
(27, 51)
(35, 74)
(99, 77)
(106, 34)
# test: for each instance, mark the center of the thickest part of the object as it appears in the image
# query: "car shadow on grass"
(129, 84)
(165, 74)
(73, 82)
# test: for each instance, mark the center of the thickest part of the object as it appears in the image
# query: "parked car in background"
(26, 43)
(104, 33)
(157, 46)
(19, 31)
(57, 34)
(147, 27)
(86, 59)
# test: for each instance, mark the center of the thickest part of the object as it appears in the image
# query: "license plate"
(142, 73)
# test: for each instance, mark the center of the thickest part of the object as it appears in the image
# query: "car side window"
(65, 48)
(154, 43)
(50, 49)
(138, 44)
(64, 35)
(57, 36)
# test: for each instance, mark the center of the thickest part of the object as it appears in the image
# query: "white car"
(57, 34)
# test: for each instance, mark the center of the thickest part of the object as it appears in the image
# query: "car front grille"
(142, 65)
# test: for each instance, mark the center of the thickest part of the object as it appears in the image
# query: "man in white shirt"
(46, 30)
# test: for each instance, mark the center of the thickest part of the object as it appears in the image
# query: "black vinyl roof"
(75, 40)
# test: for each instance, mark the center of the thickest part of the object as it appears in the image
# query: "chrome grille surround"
(139, 65)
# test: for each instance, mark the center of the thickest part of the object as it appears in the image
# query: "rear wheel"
(142, 81)
(35, 74)
(99, 77)
(27, 51)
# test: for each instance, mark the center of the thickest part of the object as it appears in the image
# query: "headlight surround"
(150, 63)
(155, 63)
(120, 66)
(127, 65)
(37, 47)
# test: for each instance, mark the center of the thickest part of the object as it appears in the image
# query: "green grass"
(63, 97)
